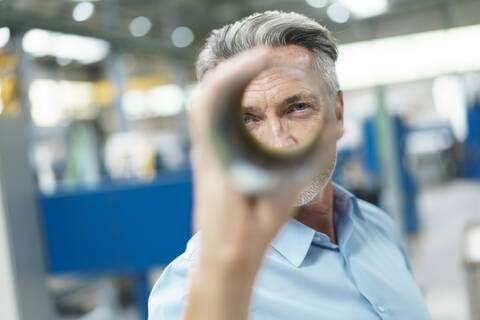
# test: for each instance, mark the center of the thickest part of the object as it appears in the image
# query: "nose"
(276, 134)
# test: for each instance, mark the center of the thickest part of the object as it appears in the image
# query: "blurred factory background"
(95, 183)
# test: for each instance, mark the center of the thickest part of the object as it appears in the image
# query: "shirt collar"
(295, 238)
(293, 241)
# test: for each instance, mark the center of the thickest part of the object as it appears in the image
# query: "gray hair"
(273, 28)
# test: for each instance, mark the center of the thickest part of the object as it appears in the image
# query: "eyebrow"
(298, 97)
(252, 109)
(286, 101)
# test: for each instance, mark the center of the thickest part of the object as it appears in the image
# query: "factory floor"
(436, 251)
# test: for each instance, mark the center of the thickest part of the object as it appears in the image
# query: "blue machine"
(124, 229)
(407, 182)
(471, 163)
(368, 156)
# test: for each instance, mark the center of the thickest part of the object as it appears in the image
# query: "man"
(332, 256)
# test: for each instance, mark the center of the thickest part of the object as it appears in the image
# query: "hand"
(236, 229)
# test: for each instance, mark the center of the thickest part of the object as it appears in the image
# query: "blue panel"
(118, 229)
(471, 164)
(407, 182)
(370, 158)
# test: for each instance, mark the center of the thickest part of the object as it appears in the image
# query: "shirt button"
(380, 308)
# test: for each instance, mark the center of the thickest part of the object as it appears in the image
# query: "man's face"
(281, 109)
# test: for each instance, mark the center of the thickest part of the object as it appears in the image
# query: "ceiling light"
(365, 9)
(83, 11)
(38, 42)
(140, 26)
(408, 58)
(317, 3)
(4, 36)
(338, 13)
(182, 37)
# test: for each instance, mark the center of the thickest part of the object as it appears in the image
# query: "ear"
(339, 114)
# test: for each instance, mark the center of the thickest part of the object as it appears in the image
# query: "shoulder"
(378, 219)
(380, 222)
(170, 291)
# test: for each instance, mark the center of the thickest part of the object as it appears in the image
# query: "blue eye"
(298, 107)
(247, 118)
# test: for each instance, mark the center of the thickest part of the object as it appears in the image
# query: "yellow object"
(146, 82)
(104, 93)
(9, 92)
(9, 87)
(7, 63)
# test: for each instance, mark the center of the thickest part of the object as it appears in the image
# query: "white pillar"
(8, 298)
(23, 291)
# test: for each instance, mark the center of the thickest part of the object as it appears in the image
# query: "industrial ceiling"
(111, 19)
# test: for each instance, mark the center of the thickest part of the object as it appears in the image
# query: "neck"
(318, 214)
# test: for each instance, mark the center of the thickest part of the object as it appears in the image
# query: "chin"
(313, 190)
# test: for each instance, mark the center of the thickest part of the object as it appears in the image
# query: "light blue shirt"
(305, 276)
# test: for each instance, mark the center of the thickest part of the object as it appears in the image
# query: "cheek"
(303, 129)
(260, 132)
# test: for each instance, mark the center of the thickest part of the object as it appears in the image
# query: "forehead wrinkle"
(294, 54)
(298, 88)
(263, 80)
(290, 55)
(272, 82)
